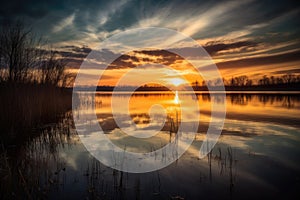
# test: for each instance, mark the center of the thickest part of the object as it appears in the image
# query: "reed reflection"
(260, 130)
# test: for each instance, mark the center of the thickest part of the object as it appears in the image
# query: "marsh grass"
(27, 143)
(227, 164)
(25, 107)
(32, 170)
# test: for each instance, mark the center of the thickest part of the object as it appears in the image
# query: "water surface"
(257, 155)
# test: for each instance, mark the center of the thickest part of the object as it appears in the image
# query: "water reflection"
(258, 149)
(283, 100)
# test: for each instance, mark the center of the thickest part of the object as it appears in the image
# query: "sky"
(250, 37)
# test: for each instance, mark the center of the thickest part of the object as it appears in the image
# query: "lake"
(256, 156)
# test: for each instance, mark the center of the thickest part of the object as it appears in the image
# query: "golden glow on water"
(247, 115)
(252, 108)
(176, 98)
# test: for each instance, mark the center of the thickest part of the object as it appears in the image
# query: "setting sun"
(176, 81)
(149, 99)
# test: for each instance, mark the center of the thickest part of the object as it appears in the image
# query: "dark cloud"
(288, 71)
(261, 61)
(262, 22)
(31, 8)
(73, 53)
(274, 15)
(83, 49)
(96, 16)
(121, 63)
(214, 47)
(168, 58)
(136, 58)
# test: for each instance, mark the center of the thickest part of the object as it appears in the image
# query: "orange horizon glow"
(186, 73)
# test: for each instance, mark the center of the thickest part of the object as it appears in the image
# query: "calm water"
(257, 155)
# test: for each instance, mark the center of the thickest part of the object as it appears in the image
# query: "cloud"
(237, 34)
(68, 21)
(164, 57)
(288, 71)
(214, 48)
(261, 60)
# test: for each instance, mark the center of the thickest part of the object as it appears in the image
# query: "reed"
(25, 107)
(24, 169)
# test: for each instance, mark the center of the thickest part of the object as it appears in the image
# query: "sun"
(176, 81)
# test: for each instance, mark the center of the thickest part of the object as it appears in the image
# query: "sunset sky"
(252, 38)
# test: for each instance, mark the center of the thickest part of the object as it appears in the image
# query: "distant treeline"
(131, 88)
(287, 82)
(286, 79)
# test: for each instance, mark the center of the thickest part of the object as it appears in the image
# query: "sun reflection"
(176, 98)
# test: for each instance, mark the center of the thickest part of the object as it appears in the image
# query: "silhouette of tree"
(244, 81)
(26, 58)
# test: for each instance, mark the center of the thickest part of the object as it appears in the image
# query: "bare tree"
(239, 81)
(26, 58)
(289, 78)
(17, 51)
